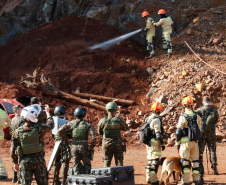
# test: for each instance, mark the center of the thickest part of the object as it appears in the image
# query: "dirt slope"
(58, 48)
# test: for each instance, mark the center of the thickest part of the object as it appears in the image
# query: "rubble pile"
(122, 72)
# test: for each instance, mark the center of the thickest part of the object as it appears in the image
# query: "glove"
(144, 29)
(178, 147)
(152, 20)
(163, 147)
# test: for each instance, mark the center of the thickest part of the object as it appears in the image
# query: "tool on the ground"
(109, 43)
(207, 159)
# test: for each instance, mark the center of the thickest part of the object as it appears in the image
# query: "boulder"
(216, 41)
(173, 136)
(171, 142)
(195, 19)
(220, 135)
(128, 134)
(184, 73)
(200, 86)
(172, 129)
(140, 113)
(166, 127)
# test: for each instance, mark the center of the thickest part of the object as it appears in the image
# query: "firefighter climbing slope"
(167, 24)
(150, 28)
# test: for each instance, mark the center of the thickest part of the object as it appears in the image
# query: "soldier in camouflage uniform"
(27, 144)
(209, 117)
(80, 130)
(41, 117)
(16, 122)
(110, 128)
(64, 151)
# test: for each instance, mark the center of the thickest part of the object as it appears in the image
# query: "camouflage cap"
(16, 107)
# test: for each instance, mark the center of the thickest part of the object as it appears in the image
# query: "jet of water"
(109, 43)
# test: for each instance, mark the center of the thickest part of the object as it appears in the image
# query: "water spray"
(109, 43)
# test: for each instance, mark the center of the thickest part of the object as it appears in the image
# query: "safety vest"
(112, 128)
(80, 131)
(29, 139)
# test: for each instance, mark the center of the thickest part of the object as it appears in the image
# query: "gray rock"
(140, 113)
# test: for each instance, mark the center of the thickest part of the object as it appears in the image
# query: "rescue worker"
(64, 151)
(4, 122)
(209, 117)
(27, 142)
(187, 134)
(156, 144)
(16, 122)
(80, 130)
(167, 23)
(110, 127)
(150, 33)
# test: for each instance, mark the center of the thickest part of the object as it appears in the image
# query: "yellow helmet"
(188, 101)
(157, 107)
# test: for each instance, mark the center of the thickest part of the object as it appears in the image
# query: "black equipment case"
(120, 175)
(86, 179)
(117, 175)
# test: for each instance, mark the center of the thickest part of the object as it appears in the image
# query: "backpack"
(145, 132)
(193, 128)
(209, 117)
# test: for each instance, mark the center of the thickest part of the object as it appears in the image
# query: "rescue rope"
(199, 56)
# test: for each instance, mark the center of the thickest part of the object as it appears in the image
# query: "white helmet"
(30, 113)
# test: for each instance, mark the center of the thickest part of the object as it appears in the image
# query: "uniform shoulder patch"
(158, 122)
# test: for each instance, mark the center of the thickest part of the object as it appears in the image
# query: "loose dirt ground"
(137, 158)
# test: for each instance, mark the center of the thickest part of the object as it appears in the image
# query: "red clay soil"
(60, 50)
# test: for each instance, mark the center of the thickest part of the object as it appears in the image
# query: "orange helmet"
(188, 101)
(161, 11)
(145, 13)
(156, 107)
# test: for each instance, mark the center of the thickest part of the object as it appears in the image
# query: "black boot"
(215, 171)
(168, 54)
(14, 180)
(155, 183)
(151, 56)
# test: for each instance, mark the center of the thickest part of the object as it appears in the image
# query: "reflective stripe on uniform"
(154, 140)
(184, 139)
(1, 137)
(195, 171)
(186, 170)
(152, 172)
(2, 165)
(157, 153)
